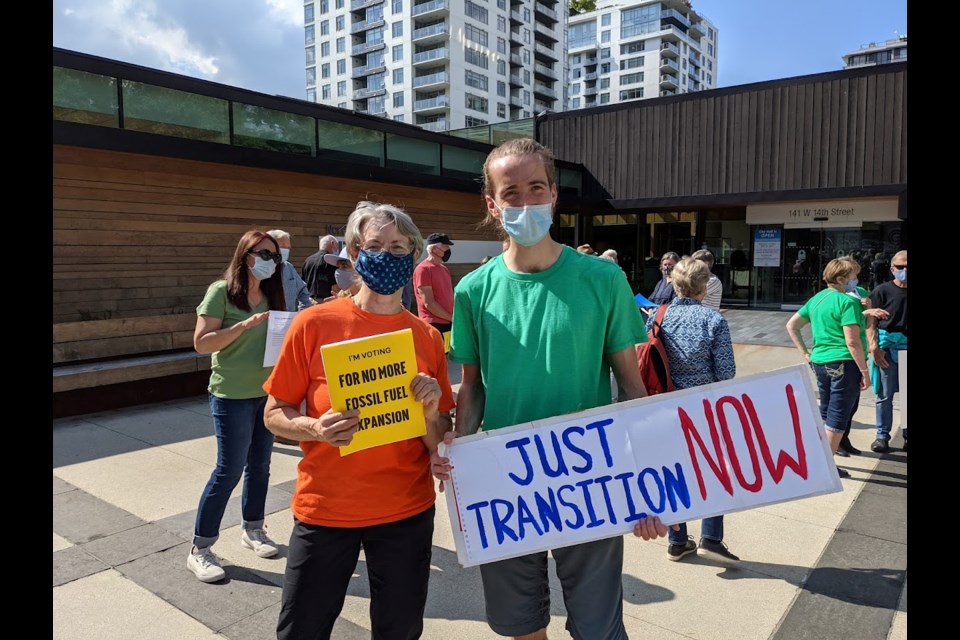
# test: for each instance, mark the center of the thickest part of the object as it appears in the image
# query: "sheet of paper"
(277, 325)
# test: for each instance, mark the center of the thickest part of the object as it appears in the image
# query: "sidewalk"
(126, 485)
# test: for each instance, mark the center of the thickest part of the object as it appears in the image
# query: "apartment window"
(710, 65)
(709, 33)
(633, 47)
(397, 52)
(605, 36)
(526, 35)
(342, 105)
(709, 49)
(476, 34)
(502, 4)
(398, 99)
(604, 98)
(307, 13)
(397, 6)
(501, 110)
(377, 81)
(576, 73)
(526, 15)
(502, 67)
(398, 117)
(577, 59)
(311, 76)
(604, 53)
(341, 67)
(709, 78)
(526, 114)
(631, 94)
(325, 91)
(575, 89)
(683, 64)
(341, 45)
(398, 76)
(582, 34)
(311, 55)
(477, 103)
(604, 83)
(605, 20)
(475, 57)
(501, 88)
(324, 71)
(308, 35)
(475, 80)
(631, 63)
(635, 22)
(325, 28)
(526, 56)
(631, 78)
(470, 121)
(526, 97)
(575, 103)
(605, 68)
(475, 11)
(311, 95)
(324, 49)
(340, 23)
(339, 4)
(341, 88)
(398, 29)
(501, 46)
(375, 36)
(501, 24)
(324, 6)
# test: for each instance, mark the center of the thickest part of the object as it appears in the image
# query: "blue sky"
(258, 44)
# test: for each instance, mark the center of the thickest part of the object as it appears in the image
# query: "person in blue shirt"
(294, 288)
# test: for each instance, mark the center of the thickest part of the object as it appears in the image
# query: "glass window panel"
(570, 179)
(346, 143)
(169, 112)
(463, 163)
(411, 154)
(272, 130)
(84, 97)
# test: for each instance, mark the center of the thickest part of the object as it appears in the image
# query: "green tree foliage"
(582, 6)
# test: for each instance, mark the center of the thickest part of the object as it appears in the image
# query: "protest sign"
(374, 374)
(682, 456)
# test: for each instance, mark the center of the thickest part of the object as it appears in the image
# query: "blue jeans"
(889, 385)
(244, 446)
(710, 528)
(839, 384)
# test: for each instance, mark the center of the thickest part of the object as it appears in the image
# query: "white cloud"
(288, 12)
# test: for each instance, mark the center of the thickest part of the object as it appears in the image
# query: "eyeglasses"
(899, 266)
(396, 250)
(266, 254)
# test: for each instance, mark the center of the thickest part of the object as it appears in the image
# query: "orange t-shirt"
(373, 486)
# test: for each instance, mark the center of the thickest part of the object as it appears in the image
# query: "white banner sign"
(683, 456)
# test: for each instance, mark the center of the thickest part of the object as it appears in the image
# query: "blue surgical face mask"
(384, 272)
(851, 285)
(528, 224)
(262, 269)
(285, 254)
(900, 275)
(345, 278)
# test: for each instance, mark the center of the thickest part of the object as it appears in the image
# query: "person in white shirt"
(714, 286)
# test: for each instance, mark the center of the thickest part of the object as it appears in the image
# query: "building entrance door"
(806, 251)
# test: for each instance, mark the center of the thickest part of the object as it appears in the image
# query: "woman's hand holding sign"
(426, 390)
(440, 466)
(336, 428)
(650, 528)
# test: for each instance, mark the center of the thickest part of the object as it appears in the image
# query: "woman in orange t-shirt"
(382, 497)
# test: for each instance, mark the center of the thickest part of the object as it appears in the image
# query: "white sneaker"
(261, 544)
(205, 565)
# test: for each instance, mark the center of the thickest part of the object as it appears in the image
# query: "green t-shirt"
(541, 339)
(828, 312)
(236, 371)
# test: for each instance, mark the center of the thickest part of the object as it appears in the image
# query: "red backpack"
(653, 361)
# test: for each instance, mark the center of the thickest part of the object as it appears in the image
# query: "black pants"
(321, 561)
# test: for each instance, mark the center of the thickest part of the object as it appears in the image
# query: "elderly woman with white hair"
(381, 498)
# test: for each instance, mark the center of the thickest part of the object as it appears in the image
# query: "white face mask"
(528, 224)
(285, 254)
(263, 269)
(345, 278)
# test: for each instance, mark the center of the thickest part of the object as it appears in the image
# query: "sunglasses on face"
(266, 254)
(899, 266)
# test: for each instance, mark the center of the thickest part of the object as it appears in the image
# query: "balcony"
(590, 76)
(366, 47)
(382, 113)
(697, 30)
(668, 81)
(579, 46)
(694, 62)
(433, 32)
(545, 71)
(359, 72)
(357, 27)
(436, 125)
(544, 91)
(356, 5)
(431, 104)
(675, 17)
(515, 17)
(590, 91)
(440, 78)
(543, 52)
(544, 13)
(667, 66)
(427, 56)
(515, 39)
(515, 81)
(515, 60)
(516, 102)
(669, 50)
(366, 94)
(667, 92)
(425, 9)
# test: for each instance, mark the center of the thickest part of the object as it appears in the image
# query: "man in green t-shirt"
(537, 330)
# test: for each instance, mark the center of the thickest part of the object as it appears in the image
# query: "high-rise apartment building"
(872, 54)
(629, 50)
(440, 64)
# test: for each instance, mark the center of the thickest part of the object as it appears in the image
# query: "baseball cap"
(332, 260)
(439, 238)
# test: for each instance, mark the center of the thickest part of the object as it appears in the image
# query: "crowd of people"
(509, 314)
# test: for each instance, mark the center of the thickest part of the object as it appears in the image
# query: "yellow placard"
(373, 375)
(446, 342)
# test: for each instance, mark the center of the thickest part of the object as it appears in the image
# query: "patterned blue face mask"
(384, 272)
